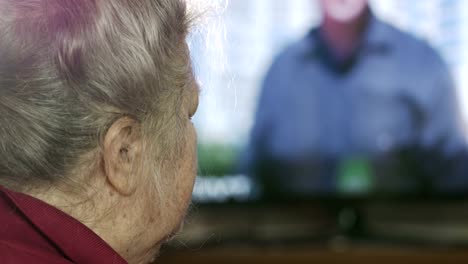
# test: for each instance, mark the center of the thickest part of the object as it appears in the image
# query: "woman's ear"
(122, 154)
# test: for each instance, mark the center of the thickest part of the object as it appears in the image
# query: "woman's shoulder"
(14, 253)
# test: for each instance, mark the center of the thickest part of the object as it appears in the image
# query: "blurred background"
(236, 217)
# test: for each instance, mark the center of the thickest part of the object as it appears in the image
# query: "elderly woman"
(97, 150)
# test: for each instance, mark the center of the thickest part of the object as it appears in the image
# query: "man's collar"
(377, 34)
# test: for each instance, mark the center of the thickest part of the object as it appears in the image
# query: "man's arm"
(442, 132)
(256, 146)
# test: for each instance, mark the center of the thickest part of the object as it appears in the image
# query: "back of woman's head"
(70, 68)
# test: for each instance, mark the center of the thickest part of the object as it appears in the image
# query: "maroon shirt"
(32, 231)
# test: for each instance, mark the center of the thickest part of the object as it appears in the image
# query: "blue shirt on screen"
(394, 92)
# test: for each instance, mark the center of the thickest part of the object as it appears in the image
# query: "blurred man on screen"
(357, 106)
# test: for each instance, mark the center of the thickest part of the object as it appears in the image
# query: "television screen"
(312, 99)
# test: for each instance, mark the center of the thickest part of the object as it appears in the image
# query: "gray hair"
(70, 68)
